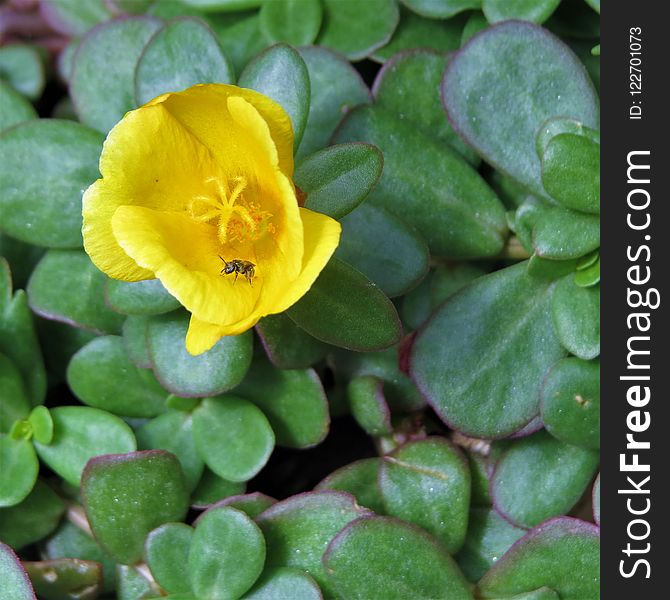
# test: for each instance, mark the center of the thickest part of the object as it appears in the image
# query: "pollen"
(236, 218)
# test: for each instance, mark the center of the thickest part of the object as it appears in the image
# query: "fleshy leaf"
(19, 469)
(338, 178)
(128, 495)
(15, 581)
(368, 405)
(343, 308)
(501, 121)
(102, 85)
(14, 108)
(213, 372)
(102, 376)
(441, 9)
(68, 156)
(536, 11)
(576, 314)
(292, 400)
(361, 480)
(212, 489)
(427, 483)
(541, 477)
(70, 19)
(499, 323)
(562, 554)
(232, 436)
(67, 578)
(570, 404)
(284, 582)
(296, 22)
(166, 552)
(147, 297)
(227, 554)
(81, 433)
(21, 65)
(366, 560)
(183, 53)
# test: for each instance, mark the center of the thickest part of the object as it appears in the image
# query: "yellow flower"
(196, 178)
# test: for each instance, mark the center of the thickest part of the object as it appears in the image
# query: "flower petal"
(148, 159)
(184, 256)
(321, 236)
(201, 336)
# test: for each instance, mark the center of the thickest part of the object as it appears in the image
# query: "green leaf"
(298, 530)
(102, 376)
(240, 36)
(357, 29)
(222, 5)
(476, 22)
(343, 308)
(102, 84)
(286, 345)
(429, 185)
(427, 483)
(18, 525)
(128, 495)
(71, 19)
(19, 469)
(296, 22)
(570, 404)
(67, 154)
(281, 74)
(571, 172)
(541, 477)
(492, 342)
(338, 178)
(594, 4)
(227, 554)
(173, 431)
(147, 297)
(81, 433)
(15, 582)
(61, 342)
(335, 87)
(132, 584)
(66, 286)
(70, 541)
(596, 500)
(183, 374)
(15, 405)
(22, 258)
(360, 479)
(22, 67)
(395, 90)
(383, 248)
(368, 405)
(441, 9)
(14, 108)
(561, 554)
(181, 54)
(501, 121)
(135, 341)
(212, 489)
(414, 32)
(283, 582)
(232, 436)
(556, 233)
(18, 338)
(166, 552)
(576, 314)
(292, 400)
(65, 578)
(380, 557)
(489, 537)
(42, 424)
(536, 11)
(588, 276)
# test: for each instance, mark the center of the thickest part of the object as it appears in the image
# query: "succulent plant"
(419, 419)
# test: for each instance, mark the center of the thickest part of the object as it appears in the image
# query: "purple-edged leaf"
(212, 489)
(361, 480)
(298, 530)
(65, 578)
(15, 581)
(440, 9)
(251, 504)
(284, 582)
(499, 108)
(536, 11)
(491, 343)
(541, 477)
(381, 557)
(427, 483)
(561, 554)
(74, 19)
(128, 495)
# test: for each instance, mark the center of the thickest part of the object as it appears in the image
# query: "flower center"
(236, 218)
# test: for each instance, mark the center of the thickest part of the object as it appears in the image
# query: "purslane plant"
(276, 323)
